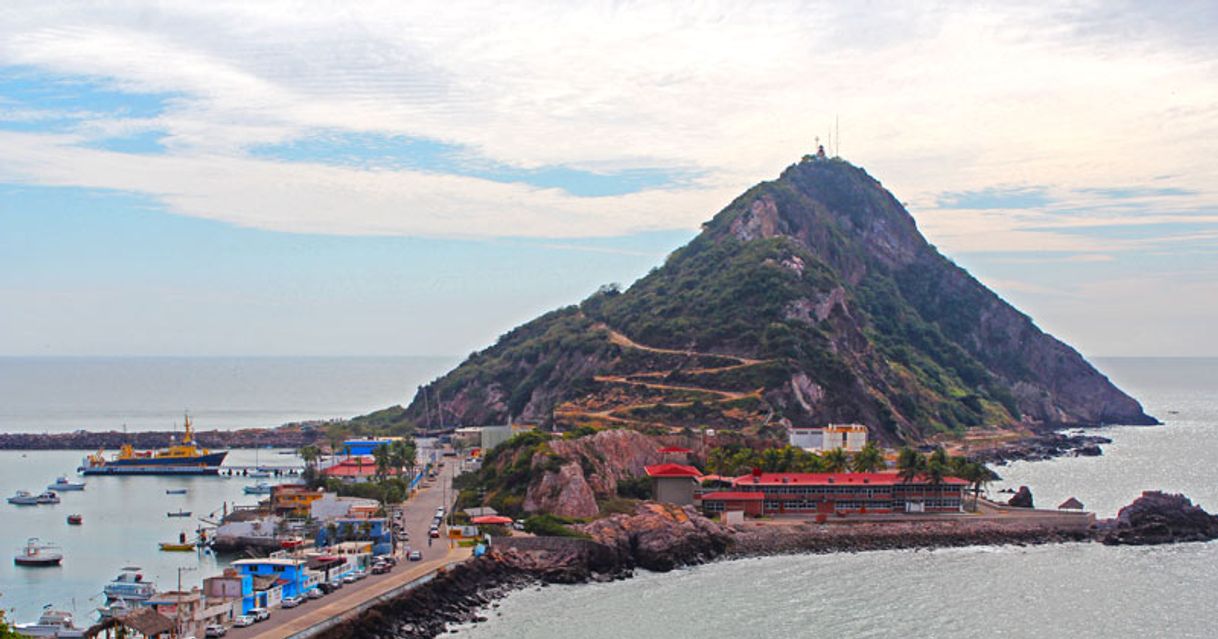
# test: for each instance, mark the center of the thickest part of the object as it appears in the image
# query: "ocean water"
(124, 520)
(1068, 590)
(58, 394)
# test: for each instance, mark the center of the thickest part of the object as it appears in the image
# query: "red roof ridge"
(672, 470)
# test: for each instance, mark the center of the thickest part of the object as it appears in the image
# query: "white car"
(215, 630)
(260, 614)
(349, 578)
(315, 593)
(244, 621)
(290, 602)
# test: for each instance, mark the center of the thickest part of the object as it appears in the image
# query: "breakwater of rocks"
(282, 437)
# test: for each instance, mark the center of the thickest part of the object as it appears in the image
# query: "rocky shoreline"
(1043, 447)
(663, 537)
(290, 436)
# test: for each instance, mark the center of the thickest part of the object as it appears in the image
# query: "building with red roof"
(837, 493)
(673, 483)
(356, 469)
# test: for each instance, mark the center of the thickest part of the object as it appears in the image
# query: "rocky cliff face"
(588, 469)
(1159, 518)
(828, 304)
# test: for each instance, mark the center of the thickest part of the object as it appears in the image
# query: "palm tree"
(868, 460)
(910, 464)
(310, 454)
(978, 475)
(382, 456)
(836, 460)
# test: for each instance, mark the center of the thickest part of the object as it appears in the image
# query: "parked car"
(349, 578)
(316, 593)
(243, 621)
(290, 602)
(336, 583)
(416, 555)
(215, 630)
(260, 614)
(435, 533)
(380, 569)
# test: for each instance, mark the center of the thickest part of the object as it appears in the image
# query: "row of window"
(868, 491)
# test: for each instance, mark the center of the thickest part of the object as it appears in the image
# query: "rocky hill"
(812, 298)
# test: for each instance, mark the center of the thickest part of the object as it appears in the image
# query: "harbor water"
(124, 520)
(1066, 590)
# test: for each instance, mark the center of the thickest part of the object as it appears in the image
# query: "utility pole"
(177, 611)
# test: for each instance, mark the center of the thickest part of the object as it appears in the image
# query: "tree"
(310, 454)
(384, 461)
(978, 475)
(868, 460)
(6, 632)
(836, 460)
(910, 464)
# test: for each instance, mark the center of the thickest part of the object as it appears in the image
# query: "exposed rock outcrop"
(1022, 498)
(660, 537)
(1159, 518)
(589, 468)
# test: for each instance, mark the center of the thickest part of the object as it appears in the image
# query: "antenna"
(837, 125)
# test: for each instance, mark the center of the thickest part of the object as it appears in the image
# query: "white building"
(851, 437)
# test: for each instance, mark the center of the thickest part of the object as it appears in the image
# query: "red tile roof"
(672, 470)
(733, 496)
(826, 479)
(354, 467)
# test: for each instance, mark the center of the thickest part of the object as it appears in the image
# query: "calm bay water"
(1072, 590)
(57, 394)
(124, 520)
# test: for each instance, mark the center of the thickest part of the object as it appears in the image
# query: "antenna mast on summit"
(837, 136)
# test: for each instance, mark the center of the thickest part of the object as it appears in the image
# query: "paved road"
(418, 515)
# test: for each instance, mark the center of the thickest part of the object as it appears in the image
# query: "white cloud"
(932, 100)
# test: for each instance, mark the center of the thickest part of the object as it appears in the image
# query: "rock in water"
(1022, 499)
(1159, 518)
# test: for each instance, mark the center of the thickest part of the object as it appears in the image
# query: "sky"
(273, 178)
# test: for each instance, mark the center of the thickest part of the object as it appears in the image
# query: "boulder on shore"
(1159, 518)
(1022, 499)
(660, 537)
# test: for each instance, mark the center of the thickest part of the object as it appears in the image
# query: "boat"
(186, 457)
(175, 491)
(260, 488)
(37, 554)
(181, 546)
(129, 586)
(52, 623)
(180, 513)
(75, 520)
(259, 473)
(23, 498)
(62, 483)
(116, 608)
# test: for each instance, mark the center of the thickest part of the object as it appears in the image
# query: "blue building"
(355, 447)
(374, 530)
(273, 579)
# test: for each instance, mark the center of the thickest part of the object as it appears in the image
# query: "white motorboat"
(52, 623)
(260, 488)
(23, 498)
(38, 554)
(47, 497)
(129, 586)
(62, 483)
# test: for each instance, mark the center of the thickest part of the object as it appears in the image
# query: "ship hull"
(201, 465)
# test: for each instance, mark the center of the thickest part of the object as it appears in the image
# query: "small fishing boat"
(38, 554)
(181, 546)
(175, 491)
(52, 623)
(75, 520)
(260, 488)
(180, 513)
(47, 497)
(259, 474)
(62, 483)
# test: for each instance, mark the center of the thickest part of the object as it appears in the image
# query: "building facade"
(836, 493)
(673, 483)
(849, 437)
